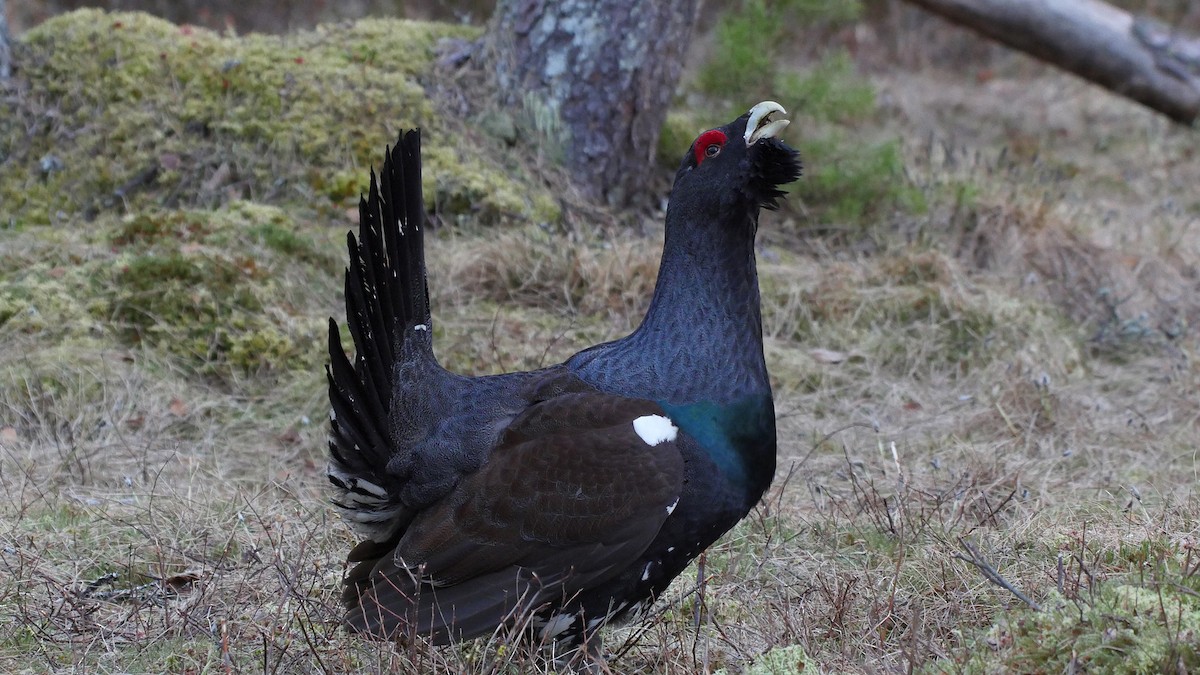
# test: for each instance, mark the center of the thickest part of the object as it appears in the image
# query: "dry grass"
(1012, 371)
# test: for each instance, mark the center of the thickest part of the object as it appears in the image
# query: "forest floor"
(1001, 382)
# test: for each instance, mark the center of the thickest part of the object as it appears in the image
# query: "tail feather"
(395, 605)
(374, 358)
(414, 261)
(349, 430)
(386, 296)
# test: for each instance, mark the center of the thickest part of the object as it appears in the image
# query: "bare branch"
(1135, 57)
(990, 572)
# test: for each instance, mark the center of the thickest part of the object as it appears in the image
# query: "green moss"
(829, 90)
(239, 146)
(789, 660)
(743, 66)
(853, 182)
(284, 240)
(1127, 629)
(154, 227)
(1143, 616)
(206, 286)
(52, 300)
(181, 302)
(226, 291)
(149, 113)
(678, 131)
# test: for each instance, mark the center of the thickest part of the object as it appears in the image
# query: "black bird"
(558, 500)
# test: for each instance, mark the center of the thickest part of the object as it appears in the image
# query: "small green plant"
(847, 180)
(749, 36)
(828, 91)
(1145, 618)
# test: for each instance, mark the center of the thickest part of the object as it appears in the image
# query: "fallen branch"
(1136, 57)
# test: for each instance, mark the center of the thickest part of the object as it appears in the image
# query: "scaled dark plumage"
(558, 500)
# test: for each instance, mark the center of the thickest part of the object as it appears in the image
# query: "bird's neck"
(699, 351)
(705, 317)
(704, 329)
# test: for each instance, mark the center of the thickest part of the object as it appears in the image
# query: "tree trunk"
(5, 52)
(594, 78)
(1138, 58)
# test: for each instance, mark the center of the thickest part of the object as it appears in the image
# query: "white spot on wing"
(671, 508)
(655, 429)
(421, 326)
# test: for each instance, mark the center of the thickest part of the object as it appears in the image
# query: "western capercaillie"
(554, 501)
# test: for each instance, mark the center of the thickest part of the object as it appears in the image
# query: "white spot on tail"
(655, 429)
(646, 572)
(671, 508)
(421, 326)
(557, 624)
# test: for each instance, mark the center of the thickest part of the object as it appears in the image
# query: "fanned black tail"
(386, 296)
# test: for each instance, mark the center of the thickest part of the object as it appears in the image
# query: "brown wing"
(573, 494)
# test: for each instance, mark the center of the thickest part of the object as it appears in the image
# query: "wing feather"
(571, 497)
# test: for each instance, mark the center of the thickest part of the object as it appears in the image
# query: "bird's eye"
(709, 145)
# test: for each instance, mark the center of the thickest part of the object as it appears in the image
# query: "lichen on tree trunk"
(5, 52)
(601, 71)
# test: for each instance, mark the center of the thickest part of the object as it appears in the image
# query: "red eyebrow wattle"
(706, 139)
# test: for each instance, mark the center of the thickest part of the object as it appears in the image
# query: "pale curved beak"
(760, 125)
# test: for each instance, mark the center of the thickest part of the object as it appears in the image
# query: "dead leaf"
(183, 581)
(177, 407)
(289, 436)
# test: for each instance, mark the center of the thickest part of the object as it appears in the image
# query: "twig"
(991, 574)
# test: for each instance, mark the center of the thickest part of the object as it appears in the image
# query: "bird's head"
(739, 165)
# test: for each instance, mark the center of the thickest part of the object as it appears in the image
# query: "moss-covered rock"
(124, 110)
(168, 187)
(216, 289)
(1146, 620)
